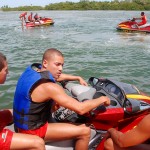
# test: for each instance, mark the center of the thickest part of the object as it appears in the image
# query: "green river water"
(89, 41)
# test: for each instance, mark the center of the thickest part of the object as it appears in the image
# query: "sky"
(16, 3)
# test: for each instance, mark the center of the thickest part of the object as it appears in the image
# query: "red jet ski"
(128, 107)
(41, 22)
(130, 26)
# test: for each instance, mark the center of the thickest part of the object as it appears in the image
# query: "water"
(89, 41)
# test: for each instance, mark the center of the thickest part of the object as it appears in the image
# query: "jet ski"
(130, 26)
(41, 22)
(128, 107)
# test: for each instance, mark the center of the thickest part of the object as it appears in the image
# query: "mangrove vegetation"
(87, 5)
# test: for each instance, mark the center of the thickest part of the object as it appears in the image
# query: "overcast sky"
(16, 3)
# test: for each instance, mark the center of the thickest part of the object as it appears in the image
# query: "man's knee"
(86, 130)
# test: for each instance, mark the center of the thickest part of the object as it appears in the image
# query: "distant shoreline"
(86, 5)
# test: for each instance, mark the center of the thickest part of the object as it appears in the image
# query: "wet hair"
(50, 53)
(2, 60)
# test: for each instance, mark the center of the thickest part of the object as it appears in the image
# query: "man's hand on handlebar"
(107, 102)
(82, 81)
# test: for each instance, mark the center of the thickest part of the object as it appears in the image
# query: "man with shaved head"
(34, 96)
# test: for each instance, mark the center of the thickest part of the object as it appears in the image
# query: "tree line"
(87, 5)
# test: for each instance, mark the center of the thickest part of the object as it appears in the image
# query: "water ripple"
(89, 41)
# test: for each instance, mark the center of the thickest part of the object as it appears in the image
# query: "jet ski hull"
(42, 22)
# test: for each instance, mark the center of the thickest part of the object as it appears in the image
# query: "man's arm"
(72, 78)
(138, 18)
(57, 93)
(133, 137)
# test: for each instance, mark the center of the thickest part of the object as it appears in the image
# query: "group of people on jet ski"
(34, 19)
(36, 92)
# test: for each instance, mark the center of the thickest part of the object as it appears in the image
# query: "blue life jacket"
(29, 115)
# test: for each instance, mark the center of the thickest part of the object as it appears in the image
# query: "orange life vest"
(23, 15)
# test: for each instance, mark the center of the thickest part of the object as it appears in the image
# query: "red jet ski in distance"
(128, 107)
(130, 26)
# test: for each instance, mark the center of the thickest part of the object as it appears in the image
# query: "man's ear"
(45, 63)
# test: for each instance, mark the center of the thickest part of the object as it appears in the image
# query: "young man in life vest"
(34, 96)
(8, 139)
(23, 16)
(135, 139)
(143, 19)
(37, 18)
(30, 17)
